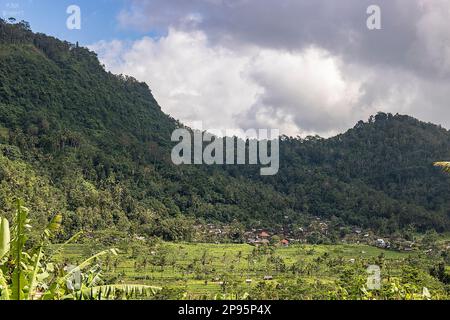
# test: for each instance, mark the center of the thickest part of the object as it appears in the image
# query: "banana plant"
(30, 274)
(5, 238)
(116, 291)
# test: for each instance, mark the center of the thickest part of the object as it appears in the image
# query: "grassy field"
(206, 270)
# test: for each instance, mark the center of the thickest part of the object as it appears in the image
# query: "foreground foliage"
(28, 273)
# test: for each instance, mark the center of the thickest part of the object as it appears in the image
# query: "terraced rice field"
(204, 270)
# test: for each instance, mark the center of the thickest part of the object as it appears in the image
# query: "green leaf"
(18, 284)
(33, 276)
(86, 263)
(54, 226)
(108, 292)
(444, 165)
(4, 287)
(18, 243)
(5, 237)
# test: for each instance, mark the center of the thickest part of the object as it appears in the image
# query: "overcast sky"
(303, 66)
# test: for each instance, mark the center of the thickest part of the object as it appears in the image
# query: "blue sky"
(99, 19)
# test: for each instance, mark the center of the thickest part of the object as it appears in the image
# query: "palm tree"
(30, 274)
(444, 165)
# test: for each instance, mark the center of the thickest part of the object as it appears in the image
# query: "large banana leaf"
(5, 237)
(34, 274)
(29, 266)
(123, 291)
(53, 227)
(49, 232)
(56, 288)
(87, 262)
(4, 287)
(20, 230)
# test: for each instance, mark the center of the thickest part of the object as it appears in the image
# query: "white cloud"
(305, 66)
(432, 46)
(304, 92)
(190, 80)
(309, 91)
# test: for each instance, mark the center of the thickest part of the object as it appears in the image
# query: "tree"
(275, 240)
(444, 165)
(236, 231)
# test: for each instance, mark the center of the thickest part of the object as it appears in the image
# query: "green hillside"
(96, 147)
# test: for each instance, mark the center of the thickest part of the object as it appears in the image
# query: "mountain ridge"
(98, 145)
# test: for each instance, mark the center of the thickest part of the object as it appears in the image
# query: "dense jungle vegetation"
(95, 147)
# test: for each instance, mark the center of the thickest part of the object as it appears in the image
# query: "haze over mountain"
(96, 146)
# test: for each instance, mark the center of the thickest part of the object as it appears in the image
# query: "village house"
(264, 235)
(381, 243)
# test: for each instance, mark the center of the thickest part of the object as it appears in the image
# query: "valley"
(240, 271)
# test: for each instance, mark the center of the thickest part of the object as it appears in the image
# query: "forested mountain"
(96, 147)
